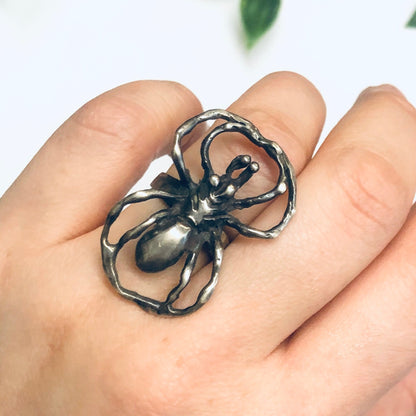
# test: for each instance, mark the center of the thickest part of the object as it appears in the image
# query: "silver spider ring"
(196, 213)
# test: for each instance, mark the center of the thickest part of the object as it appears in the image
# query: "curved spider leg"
(135, 197)
(187, 127)
(207, 290)
(248, 231)
(186, 273)
(206, 143)
(110, 251)
(139, 229)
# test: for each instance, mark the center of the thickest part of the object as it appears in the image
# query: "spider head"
(223, 188)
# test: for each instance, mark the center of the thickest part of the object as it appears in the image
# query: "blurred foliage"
(257, 16)
(412, 21)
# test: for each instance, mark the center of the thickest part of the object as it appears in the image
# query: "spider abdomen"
(162, 246)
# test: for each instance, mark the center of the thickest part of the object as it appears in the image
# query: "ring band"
(196, 213)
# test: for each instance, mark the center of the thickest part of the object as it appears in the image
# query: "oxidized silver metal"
(196, 213)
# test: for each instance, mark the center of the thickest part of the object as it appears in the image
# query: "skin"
(320, 321)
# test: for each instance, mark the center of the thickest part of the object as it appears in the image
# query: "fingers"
(352, 199)
(364, 341)
(94, 158)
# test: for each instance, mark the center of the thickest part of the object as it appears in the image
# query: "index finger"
(94, 158)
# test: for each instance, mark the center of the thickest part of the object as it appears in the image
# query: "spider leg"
(186, 273)
(248, 231)
(139, 229)
(186, 128)
(135, 197)
(110, 251)
(207, 290)
(260, 199)
(206, 143)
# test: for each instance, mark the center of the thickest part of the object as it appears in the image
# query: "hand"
(320, 321)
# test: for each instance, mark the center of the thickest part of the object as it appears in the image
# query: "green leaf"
(412, 21)
(258, 16)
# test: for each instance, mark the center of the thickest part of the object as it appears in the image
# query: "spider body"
(193, 219)
(164, 245)
(196, 213)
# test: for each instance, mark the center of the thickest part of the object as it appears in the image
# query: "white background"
(56, 55)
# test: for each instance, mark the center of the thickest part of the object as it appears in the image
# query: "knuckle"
(297, 83)
(273, 127)
(58, 329)
(375, 194)
(123, 117)
(5, 255)
(114, 119)
(175, 376)
(160, 393)
(402, 259)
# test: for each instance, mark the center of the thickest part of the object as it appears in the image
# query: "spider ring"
(196, 213)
